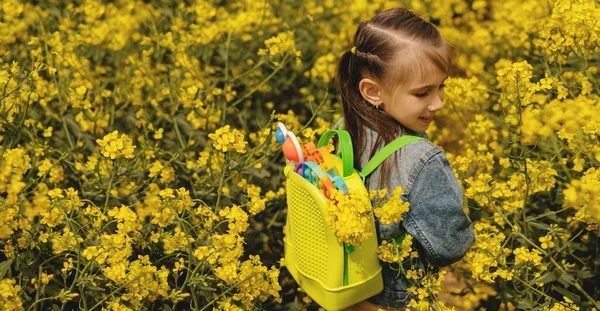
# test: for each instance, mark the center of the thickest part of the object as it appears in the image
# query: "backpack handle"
(385, 152)
(346, 151)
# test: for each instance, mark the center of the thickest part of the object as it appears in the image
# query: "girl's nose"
(436, 104)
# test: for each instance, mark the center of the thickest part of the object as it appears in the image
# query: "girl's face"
(415, 102)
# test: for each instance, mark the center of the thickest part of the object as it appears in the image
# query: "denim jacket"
(436, 219)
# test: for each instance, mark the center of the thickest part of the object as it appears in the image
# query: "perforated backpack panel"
(306, 222)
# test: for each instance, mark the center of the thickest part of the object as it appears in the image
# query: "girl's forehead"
(429, 76)
(419, 67)
(422, 76)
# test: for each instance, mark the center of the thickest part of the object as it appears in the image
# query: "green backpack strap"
(387, 151)
(346, 151)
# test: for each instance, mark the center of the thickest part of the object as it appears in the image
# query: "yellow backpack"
(333, 274)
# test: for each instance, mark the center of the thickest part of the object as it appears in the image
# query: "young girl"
(392, 84)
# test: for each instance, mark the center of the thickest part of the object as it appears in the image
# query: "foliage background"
(183, 206)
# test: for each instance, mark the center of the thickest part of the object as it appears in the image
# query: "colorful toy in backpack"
(314, 165)
(291, 147)
(332, 273)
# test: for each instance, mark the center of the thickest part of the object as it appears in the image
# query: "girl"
(392, 84)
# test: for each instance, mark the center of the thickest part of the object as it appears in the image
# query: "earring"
(377, 106)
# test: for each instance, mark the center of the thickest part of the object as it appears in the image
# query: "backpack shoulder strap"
(345, 148)
(387, 151)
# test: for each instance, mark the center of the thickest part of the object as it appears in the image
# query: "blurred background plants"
(138, 167)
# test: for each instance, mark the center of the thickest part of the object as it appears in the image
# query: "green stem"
(116, 290)
(210, 303)
(531, 287)
(183, 146)
(559, 268)
(38, 282)
(228, 45)
(259, 85)
(571, 240)
(27, 103)
(110, 184)
(576, 284)
(40, 300)
(64, 124)
(221, 182)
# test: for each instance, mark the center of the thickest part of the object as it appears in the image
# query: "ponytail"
(358, 113)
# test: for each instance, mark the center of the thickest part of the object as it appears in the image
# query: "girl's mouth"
(426, 119)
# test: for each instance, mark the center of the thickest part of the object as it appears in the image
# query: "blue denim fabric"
(436, 218)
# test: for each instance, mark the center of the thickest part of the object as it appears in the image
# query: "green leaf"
(538, 225)
(566, 279)
(95, 288)
(546, 278)
(5, 267)
(584, 274)
(55, 307)
(574, 297)
(524, 305)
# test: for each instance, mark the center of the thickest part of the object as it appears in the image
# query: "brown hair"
(398, 39)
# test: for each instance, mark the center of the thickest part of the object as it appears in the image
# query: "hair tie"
(353, 50)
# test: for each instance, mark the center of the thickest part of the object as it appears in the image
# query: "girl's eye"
(424, 94)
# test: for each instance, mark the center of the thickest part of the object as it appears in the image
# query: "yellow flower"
(17, 160)
(10, 298)
(280, 45)
(391, 251)
(349, 217)
(546, 241)
(479, 188)
(223, 140)
(525, 256)
(56, 193)
(394, 208)
(48, 132)
(158, 134)
(236, 217)
(113, 146)
(256, 204)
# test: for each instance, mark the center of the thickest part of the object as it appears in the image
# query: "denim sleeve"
(436, 218)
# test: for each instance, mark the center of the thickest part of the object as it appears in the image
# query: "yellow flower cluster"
(515, 81)
(393, 209)
(60, 206)
(15, 163)
(546, 241)
(112, 146)
(256, 204)
(324, 68)
(260, 281)
(10, 298)
(224, 140)
(487, 257)
(350, 217)
(584, 195)
(525, 256)
(54, 171)
(391, 251)
(480, 188)
(140, 278)
(279, 46)
(237, 219)
(567, 305)
(572, 29)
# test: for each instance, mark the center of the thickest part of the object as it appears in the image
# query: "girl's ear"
(371, 91)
